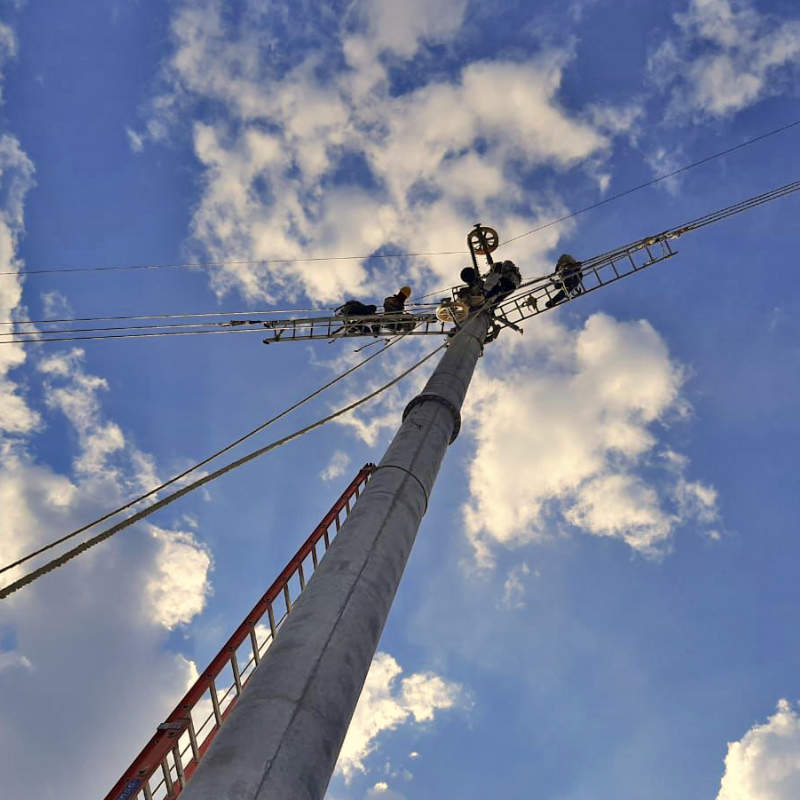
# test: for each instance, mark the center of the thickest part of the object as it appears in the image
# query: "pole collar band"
(424, 397)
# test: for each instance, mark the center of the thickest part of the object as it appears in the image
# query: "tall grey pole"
(282, 739)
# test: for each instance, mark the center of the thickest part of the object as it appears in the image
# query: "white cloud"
(566, 428)
(662, 162)
(514, 587)
(55, 304)
(765, 763)
(75, 393)
(337, 466)
(381, 791)
(10, 659)
(118, 600)
(726, 57)
(272, 150)
(8, 49)
(16, 179)
(387, 703)
(178, 587)
(135, 140)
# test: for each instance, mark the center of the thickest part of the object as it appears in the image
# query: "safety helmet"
(405, 290)
(468, 274)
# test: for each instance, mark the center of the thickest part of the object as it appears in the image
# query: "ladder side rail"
(330, 328)
(277, 336)
(135, 781)
(291, 323)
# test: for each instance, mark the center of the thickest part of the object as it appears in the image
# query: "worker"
(355, 308)
(568, 277)
(395, 304)
(470, 276)
(503, 279)
(471, 294)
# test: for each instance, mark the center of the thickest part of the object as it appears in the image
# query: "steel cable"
(162, 316)
(153, 507)
(202, 463)
(652, 182)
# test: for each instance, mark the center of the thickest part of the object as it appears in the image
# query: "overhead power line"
(208, 326)
(132, 317)
(153, 507)
(117, 317)
(226, 262)
(316, 259)
(32, 338)
(665, 176)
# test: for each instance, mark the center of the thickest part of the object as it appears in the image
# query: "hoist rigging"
(208, 459)
(500, 293)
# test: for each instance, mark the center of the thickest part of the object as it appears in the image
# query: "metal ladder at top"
(168, 760)
(378, 325)
(531, 298)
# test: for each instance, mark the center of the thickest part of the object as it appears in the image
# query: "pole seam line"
(408, 472)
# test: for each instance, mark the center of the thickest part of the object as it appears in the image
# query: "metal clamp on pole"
(424, 397)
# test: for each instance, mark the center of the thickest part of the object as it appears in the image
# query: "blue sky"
(602, 599)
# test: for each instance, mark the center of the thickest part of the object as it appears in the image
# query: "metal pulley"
(452, 311)
(482, 241)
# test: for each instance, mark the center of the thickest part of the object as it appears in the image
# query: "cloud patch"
(726, 57)
(386, 703)
(567, 432)
(323, 155)
(337, 466)
(120, 599)
(765, 763)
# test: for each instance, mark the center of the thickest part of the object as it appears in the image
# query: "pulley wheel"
(483, 240)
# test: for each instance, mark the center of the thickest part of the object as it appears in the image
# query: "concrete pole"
(282, 739)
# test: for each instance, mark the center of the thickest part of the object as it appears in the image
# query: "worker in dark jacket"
(503, 279)
(396, 304)
(568, 277)
(355, 308)
(471, 294)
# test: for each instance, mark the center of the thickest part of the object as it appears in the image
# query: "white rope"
(153, 507)
(202, 463)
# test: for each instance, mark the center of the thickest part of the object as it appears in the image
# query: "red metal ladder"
(168, 760)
